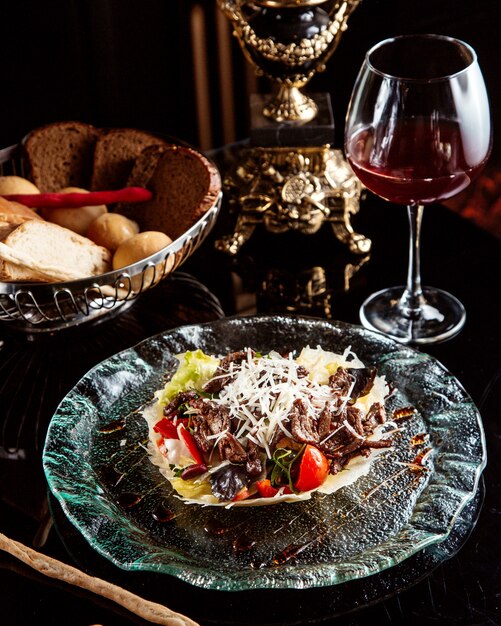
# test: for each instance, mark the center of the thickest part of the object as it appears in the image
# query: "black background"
(129, 62)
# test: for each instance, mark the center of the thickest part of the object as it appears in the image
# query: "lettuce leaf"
(195, 369)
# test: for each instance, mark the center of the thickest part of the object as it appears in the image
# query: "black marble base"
(267, 133)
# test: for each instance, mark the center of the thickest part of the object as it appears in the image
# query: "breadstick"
(150, 611)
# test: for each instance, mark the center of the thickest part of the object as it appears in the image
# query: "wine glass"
(417, 132)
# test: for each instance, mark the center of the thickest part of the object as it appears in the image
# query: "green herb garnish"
(177, 471)
(283, 459)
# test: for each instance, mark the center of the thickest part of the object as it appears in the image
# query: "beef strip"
(335, 466)
(344, 439)
(354, 418)
(342, 451)
(253, 465)
(375, 415)
(341, 381)
(214, 419)
(219, 380)
(201, 431)
(378, 443)
(339, 441)
(357, 447)
(230, 449)
(211, 419)
(330, 419)
(304, 427)
(177, 401)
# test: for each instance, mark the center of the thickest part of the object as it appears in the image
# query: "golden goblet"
(289, 41)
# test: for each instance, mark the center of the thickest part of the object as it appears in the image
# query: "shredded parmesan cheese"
(262, 393)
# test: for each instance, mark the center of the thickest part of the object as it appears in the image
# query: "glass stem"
(412, 298)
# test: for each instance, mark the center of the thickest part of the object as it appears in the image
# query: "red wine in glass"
(423, 165)
(417, 132)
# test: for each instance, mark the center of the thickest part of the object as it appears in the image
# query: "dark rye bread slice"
(61, 155)
(184, 184)
(115, 154)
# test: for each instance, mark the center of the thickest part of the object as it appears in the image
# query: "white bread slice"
(16, 213)
(12, 214)
(39, 251)
(6, 227)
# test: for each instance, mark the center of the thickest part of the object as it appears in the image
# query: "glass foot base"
(440, 317)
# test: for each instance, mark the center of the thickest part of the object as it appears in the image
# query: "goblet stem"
(416, 315)
(412, 300)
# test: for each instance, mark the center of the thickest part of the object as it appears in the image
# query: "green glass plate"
(98, 469)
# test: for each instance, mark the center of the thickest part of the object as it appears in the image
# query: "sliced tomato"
(313, 469)
(266, 489)
(191, 444)
(243, 494)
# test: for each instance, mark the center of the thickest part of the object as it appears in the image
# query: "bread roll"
(110, 230)
(10, 185)
(140, 247)
(77, 220)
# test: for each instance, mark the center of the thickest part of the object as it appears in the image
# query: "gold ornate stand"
(298, 189)
(308, 183)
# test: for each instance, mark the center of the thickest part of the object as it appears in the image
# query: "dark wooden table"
(459, 584)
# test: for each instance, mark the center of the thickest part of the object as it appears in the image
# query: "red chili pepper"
(77, 200)
(191, 444)
(166, 428)
(313, 469)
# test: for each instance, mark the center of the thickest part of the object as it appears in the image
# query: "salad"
(252, 429)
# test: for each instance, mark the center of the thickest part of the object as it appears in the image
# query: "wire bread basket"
(42, 307)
